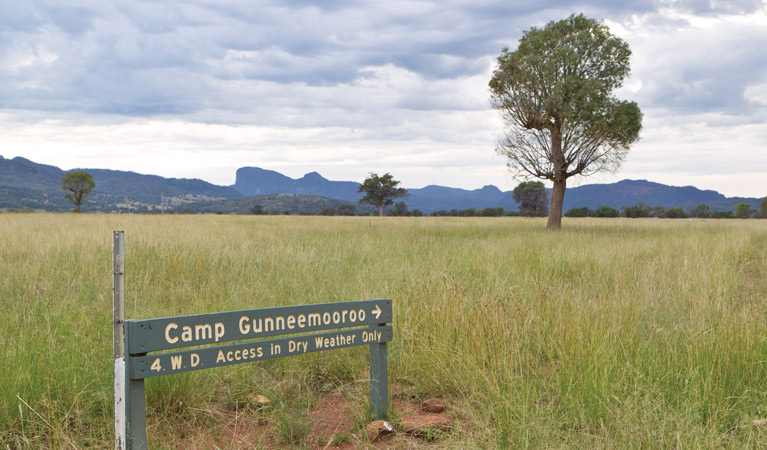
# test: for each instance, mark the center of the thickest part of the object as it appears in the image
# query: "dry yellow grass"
(611, 333)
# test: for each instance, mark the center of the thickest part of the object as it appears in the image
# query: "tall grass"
(607, 334)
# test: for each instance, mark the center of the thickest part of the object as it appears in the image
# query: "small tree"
(763, 209)
(381, 191)
(532, 198)
(79, 184)
(742, 210)
(400, 209)
(702, 211)
(258, 210)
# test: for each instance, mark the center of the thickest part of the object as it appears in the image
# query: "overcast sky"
(198, 88)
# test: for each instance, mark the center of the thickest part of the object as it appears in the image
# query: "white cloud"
(756, 93)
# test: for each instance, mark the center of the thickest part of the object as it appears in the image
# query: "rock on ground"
(378, 429)
(433, 405)
(417, 425)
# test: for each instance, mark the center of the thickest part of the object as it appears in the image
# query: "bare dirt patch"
(335, 422)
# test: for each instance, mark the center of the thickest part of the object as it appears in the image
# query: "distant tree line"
(473, 212)
(399, 209)
(641, 209)
(584, 211)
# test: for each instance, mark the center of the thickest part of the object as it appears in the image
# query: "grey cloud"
(177, 58)
(19, 17)
(705, 72)
(712, 8)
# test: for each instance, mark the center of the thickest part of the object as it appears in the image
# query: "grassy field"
(611, 333)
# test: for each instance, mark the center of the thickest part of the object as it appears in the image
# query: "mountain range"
(28, 185)
(257, 181)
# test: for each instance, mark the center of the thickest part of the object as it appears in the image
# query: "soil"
(336, 424)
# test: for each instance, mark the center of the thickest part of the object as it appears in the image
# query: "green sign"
(175, 332)
(148, 348)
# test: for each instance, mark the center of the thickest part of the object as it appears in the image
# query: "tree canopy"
(79, 184)
(381, 191)
(555, 95)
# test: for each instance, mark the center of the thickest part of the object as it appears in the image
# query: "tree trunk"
(380, 211)
(560, 180)
(557, 201)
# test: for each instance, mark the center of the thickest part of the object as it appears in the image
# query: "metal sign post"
(355, 323)
(130, 402)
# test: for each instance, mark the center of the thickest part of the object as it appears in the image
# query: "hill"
(629, 192)
(257, 181)
(433, 198)
(26, 184)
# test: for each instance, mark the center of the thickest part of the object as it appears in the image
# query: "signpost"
(354, 323)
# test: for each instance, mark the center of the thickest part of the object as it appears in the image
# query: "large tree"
(532, 198)
(79, 184)
(381, 191)
(555, 95)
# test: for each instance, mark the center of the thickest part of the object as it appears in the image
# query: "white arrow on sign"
(377, 311)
